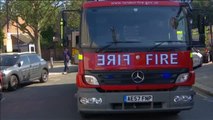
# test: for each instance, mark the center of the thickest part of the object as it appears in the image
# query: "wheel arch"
(18, 77)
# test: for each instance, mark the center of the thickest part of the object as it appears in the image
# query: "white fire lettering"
(162, 59)
(149, 58)
(101, 60)
(174, 58)
(127, 59)
(119, 59)
(112, 59)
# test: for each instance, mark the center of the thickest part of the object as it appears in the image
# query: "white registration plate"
(138, 98)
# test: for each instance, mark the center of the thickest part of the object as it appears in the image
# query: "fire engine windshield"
(144, 26)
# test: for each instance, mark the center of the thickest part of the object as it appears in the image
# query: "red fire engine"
(135, 56)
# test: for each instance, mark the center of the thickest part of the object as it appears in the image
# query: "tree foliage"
(2, 23)
(1, 38)
(47, 37)
(39, 14)
(74, 17)
(36, 14)
(206, 6)
(2, 14)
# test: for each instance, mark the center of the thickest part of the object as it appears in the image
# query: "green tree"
(2, 23)
(37, 14)
(1, 38)
(47, 37)
(74, 17)
(206, 6)
(2, 14)
(2, 18)
(71, 16)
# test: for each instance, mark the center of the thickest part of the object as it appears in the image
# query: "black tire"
(85, 115)
(13, 83)
(44, 76)
(174, 112)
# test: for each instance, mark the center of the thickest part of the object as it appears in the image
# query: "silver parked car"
(19, 68)
(0, 86)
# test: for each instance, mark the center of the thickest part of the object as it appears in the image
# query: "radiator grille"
(125, 77)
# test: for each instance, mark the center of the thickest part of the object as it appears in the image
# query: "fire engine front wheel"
(173, 112)
(85, 115)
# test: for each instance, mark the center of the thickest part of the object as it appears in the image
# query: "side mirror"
(20, 63)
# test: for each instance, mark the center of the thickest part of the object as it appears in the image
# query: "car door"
(24, 65)
(34, 67)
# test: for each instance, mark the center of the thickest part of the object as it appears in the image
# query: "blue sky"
(2, 1)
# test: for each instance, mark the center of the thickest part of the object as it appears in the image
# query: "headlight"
(91, 80)
(92, 100)
(182, 77)
(183, 98)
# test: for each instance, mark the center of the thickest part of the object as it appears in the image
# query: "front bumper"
(113, 102)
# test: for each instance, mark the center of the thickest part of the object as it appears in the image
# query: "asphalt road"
(204, 78)
(55, 100)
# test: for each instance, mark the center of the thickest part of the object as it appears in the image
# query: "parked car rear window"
(8, 60)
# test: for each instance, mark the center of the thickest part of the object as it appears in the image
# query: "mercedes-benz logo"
(137, 76)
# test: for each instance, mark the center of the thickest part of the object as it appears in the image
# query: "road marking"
(207, 63)
(205, 97)
(201, 95)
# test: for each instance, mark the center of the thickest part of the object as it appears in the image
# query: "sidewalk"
(56, 64)
(203, 75)
(58, 68)
(204, 79)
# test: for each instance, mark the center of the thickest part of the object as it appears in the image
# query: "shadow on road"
(134, 116)
(47, 102)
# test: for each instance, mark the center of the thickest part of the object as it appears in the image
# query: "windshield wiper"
(114, 43)
(114, 40)
(162, 42)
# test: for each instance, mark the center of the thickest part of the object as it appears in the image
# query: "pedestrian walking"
(67, 57)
